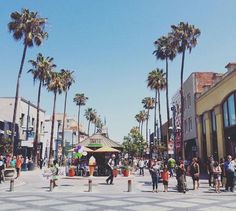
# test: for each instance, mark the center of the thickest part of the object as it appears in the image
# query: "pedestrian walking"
(165, 178)
(217, 176)
(181, 177)
(155, 174)
(2, 167)
(229, 171)
(195, 173)
(19, 162)
(141, 166)
(55, 171)
(111, 165)
(171, 166)
(210, 164)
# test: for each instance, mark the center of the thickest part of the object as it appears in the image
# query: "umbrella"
(86, 149)
(107, 149)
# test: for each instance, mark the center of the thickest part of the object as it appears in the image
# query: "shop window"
(204, 124)
(213, 121)
(225, 111)
(189, 100)
(231, 111)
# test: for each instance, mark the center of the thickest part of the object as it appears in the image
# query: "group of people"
(221, 174)
(10, 162)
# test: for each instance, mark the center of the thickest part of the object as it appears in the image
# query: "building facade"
(195, 84)
(26, 123)
(216, 116)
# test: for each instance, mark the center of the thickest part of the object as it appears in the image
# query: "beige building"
(216, 118)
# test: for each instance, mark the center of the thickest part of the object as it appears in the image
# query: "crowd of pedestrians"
(221, 175)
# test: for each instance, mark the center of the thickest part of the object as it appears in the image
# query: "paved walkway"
(32, 193)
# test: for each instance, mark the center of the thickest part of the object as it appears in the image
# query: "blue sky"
(109, 45)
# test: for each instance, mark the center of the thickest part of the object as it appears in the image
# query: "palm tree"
(68, 80)
(148, 103)
(184, 38)
(90, 115)
(80, 100)
(138, 119)
(41, 71)
(56, 86)
(165, 51)
(156, 81)
(29, 27)
(141, 117)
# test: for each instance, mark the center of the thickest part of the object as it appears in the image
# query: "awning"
(107, 149)
(86, 149)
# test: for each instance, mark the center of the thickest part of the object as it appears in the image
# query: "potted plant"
(126, 171)
(115, 171)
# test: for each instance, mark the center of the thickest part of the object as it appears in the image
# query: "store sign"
(170, 147)
(95, 142)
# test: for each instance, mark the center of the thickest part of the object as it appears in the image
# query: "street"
(31, 192)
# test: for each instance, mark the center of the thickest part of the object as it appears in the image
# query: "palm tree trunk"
(159, 110)
(52, 128)
(182, 104)
(141, 131)
(37, 126)
(88, 127)
(16, 99)
(78, 124)
(147, 125)
(167, 101)
(155, 115)
(63, 126)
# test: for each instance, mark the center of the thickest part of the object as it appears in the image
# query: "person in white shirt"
(141, 166)
(111, 164)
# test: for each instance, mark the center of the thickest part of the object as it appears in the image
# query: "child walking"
(165, 178)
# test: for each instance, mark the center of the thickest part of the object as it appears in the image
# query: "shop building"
(216, 116)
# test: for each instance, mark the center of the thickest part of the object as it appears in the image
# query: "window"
(225, 110)
(204, 124)
(213, 121)
(190, 126)
(22, 119)
(231, 111)
(185, 126)
(189, 100)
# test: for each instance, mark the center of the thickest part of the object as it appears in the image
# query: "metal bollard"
(129, 185)
(11, 185)
(89, 185)
(51, 185)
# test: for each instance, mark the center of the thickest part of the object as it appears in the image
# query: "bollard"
(51, 185)
(11, 185)
(129, 185)
(89, 185)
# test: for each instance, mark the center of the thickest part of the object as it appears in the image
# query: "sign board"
(170, 147)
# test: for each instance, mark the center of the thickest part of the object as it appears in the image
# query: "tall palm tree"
(141, 118)
(56, 86)
(156, 81)
(68, 80)
(90, 115)
(165, 51)
(148, 103)
(184, 38)
(138, 119)
(28, 26)
(80, 100)
(41, 71)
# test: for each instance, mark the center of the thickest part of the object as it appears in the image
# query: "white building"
(26, 120)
